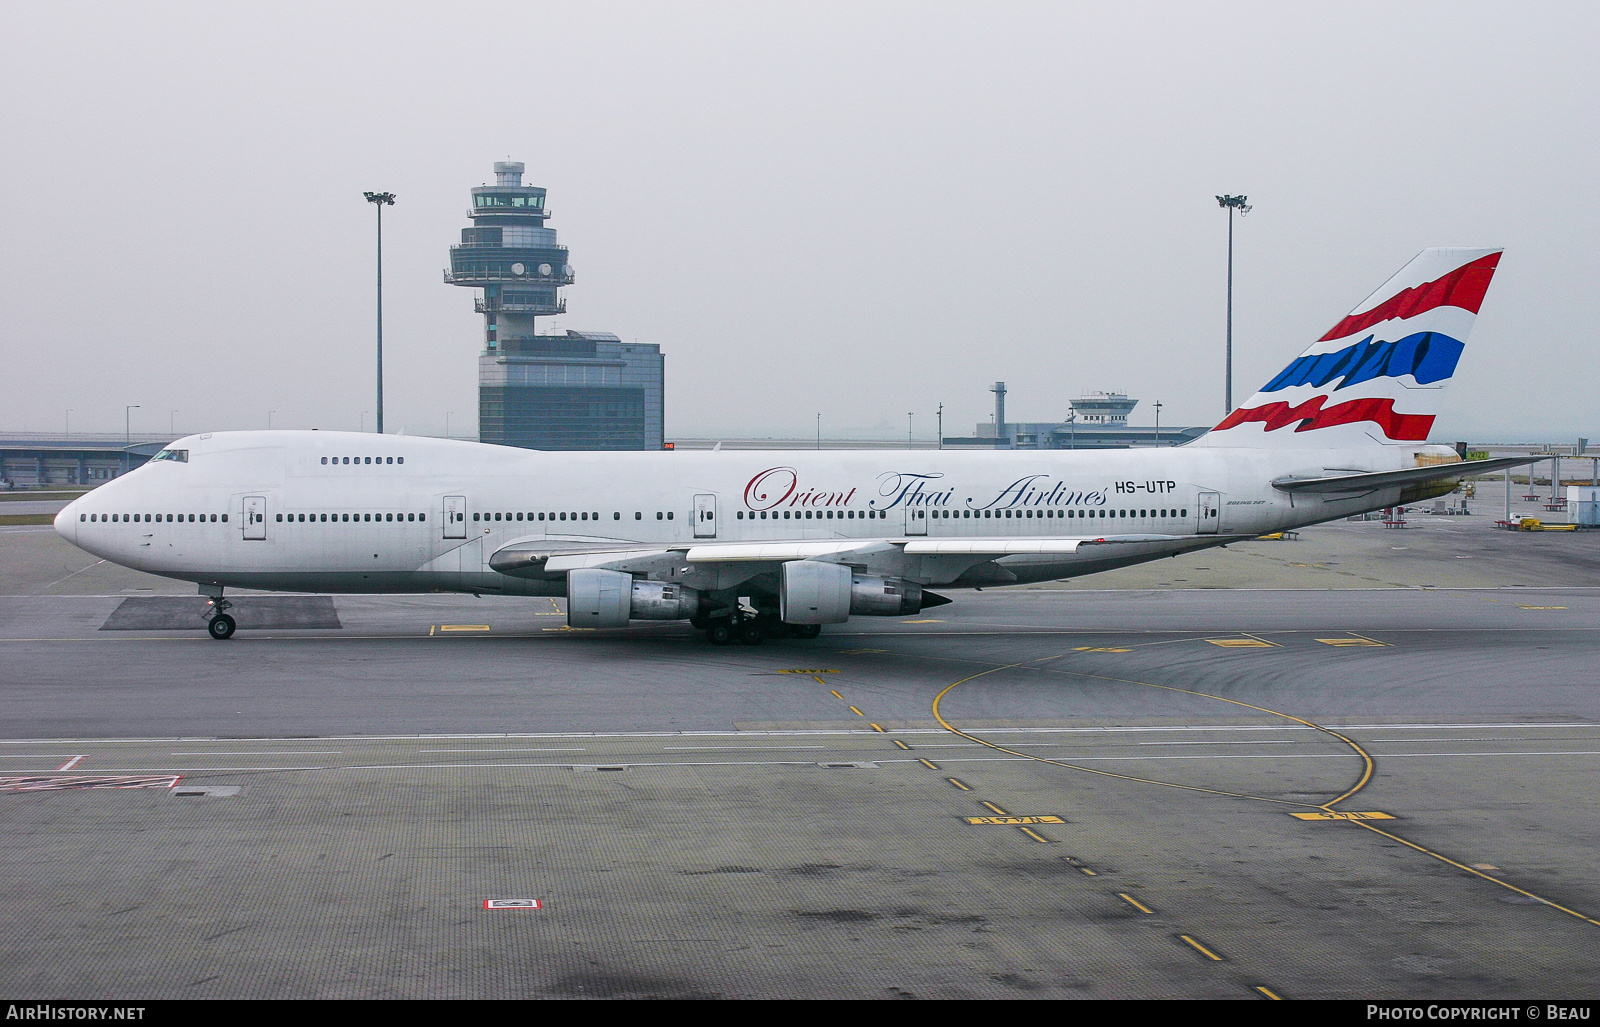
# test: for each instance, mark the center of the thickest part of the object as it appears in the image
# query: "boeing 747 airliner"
(752, 545)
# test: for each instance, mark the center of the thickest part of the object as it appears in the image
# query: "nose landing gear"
(220, 625)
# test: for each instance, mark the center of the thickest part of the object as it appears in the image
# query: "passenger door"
(1210, 513)
(916, 520)
(455, 516)
(705, 516)
(255, 517)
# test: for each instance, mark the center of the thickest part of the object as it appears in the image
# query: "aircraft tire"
(221, 627)
(720, 633)
(805, 630)
(751, 633)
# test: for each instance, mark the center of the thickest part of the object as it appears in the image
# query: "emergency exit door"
(255, 517)
(705, 516)
(916, 520)
(455, 516)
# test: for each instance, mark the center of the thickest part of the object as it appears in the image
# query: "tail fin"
(1378, 375)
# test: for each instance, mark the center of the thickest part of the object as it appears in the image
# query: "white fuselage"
(350, 512)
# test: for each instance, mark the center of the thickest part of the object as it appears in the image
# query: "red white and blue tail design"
(1378, 375)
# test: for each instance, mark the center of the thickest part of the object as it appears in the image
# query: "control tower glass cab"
(568, 391)
(511, 256)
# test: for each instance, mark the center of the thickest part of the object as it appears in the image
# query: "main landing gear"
(754, 630)
(220, 625)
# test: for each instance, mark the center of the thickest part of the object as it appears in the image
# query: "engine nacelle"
(608, 599)
(598, 599)
(663, 600)
(812, 592)
(873, 596)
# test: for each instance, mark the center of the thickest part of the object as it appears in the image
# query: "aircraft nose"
(66, 522)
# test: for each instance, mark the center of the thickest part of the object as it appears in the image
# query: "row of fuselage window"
(347, 518)
(968, 514)
(616, 515)
(363, 459)
(151, 518)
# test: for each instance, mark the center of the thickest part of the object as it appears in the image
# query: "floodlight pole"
(1233, 203)
(1158, 423)
(380, 200)
(940, 415)
(127, 434)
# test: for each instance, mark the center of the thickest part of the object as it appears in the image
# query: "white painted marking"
(72, 763)
(800, 732)
(512, 904)
(488, 751)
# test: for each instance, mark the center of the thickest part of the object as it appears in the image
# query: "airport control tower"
(572, 390)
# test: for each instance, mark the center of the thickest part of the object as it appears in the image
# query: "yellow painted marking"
(1366, 775)
(900, 743)
(1100, 649)
(878, 729)
(1521, 607)
(1350, 641)
(548, 613)
(959, 784)
(1242, 643)
(1484, 866)
(995, 808)
(929, 764)
(1269, 993)
(1091, 873)
(922, 622)
(857, 712)
(836, 695)
(1200, 948)
(567, 627)
(803, 670)
(431, 629)
(1478, 873)
(1034, 835)
(1135, 903)
(463, 627)
(1337, 815)
(1010, 821)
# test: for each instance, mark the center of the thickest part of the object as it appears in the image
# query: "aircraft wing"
(542, 560)
(1374, 480)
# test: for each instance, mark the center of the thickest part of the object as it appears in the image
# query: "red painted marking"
(1464, 287)
(72, 763)
(1401, 427)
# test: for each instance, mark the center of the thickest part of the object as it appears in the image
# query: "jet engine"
(609, 599)
(813, 592)
(884, 597)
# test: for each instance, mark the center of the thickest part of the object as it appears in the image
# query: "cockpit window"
(180, 455)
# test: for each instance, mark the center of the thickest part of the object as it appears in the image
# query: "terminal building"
(1099, 420)
(568, 390)
(43, 458)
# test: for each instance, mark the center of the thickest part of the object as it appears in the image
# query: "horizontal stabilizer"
(1374, 480)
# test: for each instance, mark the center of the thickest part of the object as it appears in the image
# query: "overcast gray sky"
(861, 209)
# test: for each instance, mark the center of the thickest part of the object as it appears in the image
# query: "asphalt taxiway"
(1121, 787)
